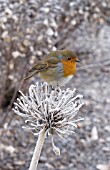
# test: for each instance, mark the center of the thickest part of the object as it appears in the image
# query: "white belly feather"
(62, 81)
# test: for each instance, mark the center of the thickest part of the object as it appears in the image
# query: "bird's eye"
(69, 58)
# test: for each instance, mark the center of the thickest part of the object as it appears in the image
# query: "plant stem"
(37, 151)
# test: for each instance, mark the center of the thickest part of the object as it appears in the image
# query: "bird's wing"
(44, 65)
(41, 65)
(52, 61)
(49, 62)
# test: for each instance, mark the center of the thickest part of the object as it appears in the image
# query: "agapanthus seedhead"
(49, 108)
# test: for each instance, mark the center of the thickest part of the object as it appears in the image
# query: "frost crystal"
(50, 108)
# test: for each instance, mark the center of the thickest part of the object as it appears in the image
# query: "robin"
(57, 69)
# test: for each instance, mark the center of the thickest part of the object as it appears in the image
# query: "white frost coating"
(49, 108)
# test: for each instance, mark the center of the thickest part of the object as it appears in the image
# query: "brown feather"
(41, 65)
(51, 61)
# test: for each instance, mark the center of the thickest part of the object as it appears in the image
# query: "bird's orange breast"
(69, 68)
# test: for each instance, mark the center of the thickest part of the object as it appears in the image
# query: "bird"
(57, 69)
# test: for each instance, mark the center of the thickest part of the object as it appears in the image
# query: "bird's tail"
(29, 76)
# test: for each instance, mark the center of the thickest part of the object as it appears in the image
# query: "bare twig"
(18, 86)
(89, 66)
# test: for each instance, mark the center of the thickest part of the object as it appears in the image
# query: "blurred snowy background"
(29, 29)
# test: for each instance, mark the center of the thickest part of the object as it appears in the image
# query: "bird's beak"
(77, 60)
